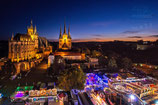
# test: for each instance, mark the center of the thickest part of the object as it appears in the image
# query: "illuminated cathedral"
(26, 46)
(22, 46)
(65, 47)
(65, 39)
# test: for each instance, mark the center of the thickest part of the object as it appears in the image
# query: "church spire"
(35, 30)
(69, 32)
(31, 24)
(64, 27)
(60, 32)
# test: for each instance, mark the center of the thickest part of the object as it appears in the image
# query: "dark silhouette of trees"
(102, 61)
(126, 63)
(112, 64)
(58, 65)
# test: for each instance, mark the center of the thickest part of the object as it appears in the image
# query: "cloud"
(130, 32)
(135, 37)
(97, 38)
(153, 36)
(98, 35)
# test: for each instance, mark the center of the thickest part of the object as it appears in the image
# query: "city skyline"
(126, 20)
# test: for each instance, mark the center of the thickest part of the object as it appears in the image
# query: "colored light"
(132, 97)
(156, 102)
(1, 95)
(19, 94)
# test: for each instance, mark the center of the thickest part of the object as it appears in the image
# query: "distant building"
(93, 60)
(71, 55)
(143, 47)
(65, 39)
(65, 47)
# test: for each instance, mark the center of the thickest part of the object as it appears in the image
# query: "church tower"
(33, 33)
(65, 39)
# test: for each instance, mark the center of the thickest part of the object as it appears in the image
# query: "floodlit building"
(27, 50)
(65, 47)
(65, 39)
(23, 46)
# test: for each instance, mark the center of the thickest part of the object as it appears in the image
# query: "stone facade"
(65, 39)
(23, 46)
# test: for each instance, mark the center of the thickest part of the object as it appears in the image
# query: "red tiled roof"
(67, 53)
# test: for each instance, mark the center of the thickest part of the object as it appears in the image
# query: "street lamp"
(132, 98)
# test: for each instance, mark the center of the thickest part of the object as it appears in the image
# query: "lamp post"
(132, 98)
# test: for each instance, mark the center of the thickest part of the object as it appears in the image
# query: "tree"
(83, 66)
(72, 78)
(102, 61)
(96, 53)
(112, 64)
(112, 54)
(126, 63)
(58, 65)
(87, 51)
(78, 49)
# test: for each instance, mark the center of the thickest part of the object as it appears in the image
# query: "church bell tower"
(65, 39)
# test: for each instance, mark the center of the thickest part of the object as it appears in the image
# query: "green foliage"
(102, 61)
(58, 65)
(112, 63)
(126, 63)
(72, 78)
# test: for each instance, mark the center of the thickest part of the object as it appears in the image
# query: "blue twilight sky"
(98, 20)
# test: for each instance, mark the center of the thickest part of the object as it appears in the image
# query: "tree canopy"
(112, 63)
(102, 61)
(126, 63)
(58, 65)
(72, 78)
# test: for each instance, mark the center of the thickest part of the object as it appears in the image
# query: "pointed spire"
(35, 30)
(12, 36)
(64, 27)
(60, 32)
(69, 32)
(31, 24)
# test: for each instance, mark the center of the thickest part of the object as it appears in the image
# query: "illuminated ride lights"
(1, 95)
(19, 94)
(132, 97)
(94, 81)
(156, 102)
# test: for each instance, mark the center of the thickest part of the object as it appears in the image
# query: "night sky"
(89, 20)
